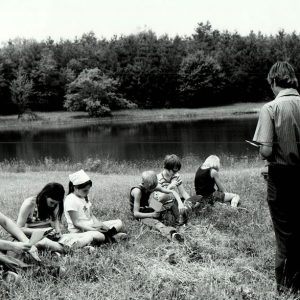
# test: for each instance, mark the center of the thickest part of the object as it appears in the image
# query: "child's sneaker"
(120, 236)
(177, 237)
(89, 249)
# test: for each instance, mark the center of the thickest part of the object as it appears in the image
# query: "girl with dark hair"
(44, 211)
(83, 226)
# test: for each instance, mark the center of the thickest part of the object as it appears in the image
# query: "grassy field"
(65, 119)
(228, 253)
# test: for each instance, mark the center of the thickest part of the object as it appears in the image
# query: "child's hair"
(54, 191)
(172, 162)
(79, 186)
(212, 161)
(149, 179)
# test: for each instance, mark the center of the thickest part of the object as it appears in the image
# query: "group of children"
(159, 201)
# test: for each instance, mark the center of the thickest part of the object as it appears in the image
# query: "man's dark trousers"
(284, 205)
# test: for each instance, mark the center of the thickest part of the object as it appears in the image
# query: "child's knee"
(97, 236)
(118, 224)
(49, 244)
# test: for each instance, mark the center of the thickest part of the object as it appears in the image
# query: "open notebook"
(37, 235)
(156, 205)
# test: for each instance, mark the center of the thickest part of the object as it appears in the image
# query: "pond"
(132, 142)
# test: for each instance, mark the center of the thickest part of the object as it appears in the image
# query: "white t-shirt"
(72, 202)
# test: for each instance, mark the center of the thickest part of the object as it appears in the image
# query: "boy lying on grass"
(140, 206)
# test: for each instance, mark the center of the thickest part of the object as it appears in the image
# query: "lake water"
(132, 142)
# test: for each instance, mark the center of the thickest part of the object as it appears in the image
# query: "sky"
(67, 19)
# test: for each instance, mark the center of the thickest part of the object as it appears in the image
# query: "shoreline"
(64, 120)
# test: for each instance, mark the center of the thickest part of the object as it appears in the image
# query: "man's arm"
(264, 132)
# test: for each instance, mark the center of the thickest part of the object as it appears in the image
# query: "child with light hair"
(149, 211)
(206, 179)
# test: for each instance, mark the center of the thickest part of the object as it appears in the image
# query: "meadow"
(227, 254)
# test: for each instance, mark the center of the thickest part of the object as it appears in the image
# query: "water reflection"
(131, 142)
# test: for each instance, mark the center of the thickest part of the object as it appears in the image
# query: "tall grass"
(110, 166)
(227, 253)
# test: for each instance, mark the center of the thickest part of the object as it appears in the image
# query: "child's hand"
(34, 253)
(20, 247)
(172, 186)
(181, 208)
(155, 214)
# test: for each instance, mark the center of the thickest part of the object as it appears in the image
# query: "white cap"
(79, 177)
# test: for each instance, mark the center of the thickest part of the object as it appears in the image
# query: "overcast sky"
(67, 19)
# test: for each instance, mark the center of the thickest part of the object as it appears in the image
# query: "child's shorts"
(201, 201)
(216, 196)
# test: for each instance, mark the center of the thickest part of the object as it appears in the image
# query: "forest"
(141, 70)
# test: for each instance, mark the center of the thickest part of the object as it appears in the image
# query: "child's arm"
(16, 232)
(74, 215)
(183, 192)
(98, 224)
(56, 223)
(215, 175)
(181, 206)
(24, 213)
(136, 193)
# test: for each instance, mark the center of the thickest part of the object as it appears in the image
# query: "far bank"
(63, 119)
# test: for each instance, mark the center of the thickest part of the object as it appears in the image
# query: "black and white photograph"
(149, 150)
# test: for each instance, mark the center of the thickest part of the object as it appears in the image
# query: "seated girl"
(83, 226)
(44, 211)
(206, 179)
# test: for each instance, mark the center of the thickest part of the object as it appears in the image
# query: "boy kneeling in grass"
(140, 206)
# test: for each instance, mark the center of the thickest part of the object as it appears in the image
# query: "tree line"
(141, 70)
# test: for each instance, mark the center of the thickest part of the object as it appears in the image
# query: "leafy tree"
(201, 80)
(96, 93)
(46, 76)
(21, 91)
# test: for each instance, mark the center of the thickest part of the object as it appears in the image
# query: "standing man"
(278, 132)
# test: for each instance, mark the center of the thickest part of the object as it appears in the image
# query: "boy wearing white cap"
(83, 226)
